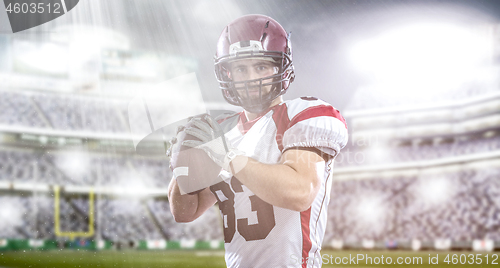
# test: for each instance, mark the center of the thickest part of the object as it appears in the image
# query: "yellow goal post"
(57, 224)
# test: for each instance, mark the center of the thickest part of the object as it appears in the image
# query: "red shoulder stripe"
(315, 111)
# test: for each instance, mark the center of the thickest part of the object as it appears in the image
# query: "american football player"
(276, 163)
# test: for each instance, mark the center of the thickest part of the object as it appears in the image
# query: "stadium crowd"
(115, 219)
(63, 112)
(367, 98)
(460, 206)
(51, 168)
(427, 151)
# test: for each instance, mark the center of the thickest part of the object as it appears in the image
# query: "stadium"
(420, 176)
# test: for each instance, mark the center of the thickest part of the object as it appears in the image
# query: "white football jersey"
(256, 233)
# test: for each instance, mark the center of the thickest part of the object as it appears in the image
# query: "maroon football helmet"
(254, 36)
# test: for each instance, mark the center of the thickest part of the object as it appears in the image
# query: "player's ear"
(276, 69)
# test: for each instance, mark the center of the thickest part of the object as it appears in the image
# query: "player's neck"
(251, 116)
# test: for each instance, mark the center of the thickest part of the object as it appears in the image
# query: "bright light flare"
(371, 211)
(378, 153)
(134, 184)
(424, 56)
(435, 191)
(49, 57)
(11, 213)
(74, 164)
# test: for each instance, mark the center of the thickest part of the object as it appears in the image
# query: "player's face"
(250, 69)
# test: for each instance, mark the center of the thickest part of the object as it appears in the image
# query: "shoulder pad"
(307, 107)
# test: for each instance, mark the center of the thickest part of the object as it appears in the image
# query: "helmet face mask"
(254, 37)
(243, 93)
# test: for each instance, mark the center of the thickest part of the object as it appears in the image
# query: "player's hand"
(212, 141)
(172, 143)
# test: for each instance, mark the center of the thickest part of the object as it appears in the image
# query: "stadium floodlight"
(423, 57)
(90, 37)
(83, 45)
(49, 57)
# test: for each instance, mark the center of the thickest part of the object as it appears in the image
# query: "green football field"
(171, 258)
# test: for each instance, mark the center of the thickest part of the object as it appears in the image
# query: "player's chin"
(251, 98)
(254, 97)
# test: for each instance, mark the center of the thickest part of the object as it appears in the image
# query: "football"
(192, 167)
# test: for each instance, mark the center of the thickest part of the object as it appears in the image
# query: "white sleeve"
(324, 132)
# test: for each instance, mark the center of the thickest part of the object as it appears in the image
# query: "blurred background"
(418, 83)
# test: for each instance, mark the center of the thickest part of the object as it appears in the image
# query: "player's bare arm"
(186, 207)
(293, 183)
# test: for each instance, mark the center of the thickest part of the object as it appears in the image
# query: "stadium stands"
(401, 153)
(63, 112)
(373, 98)
(459, 206)
(19, 165)
(117, 219)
